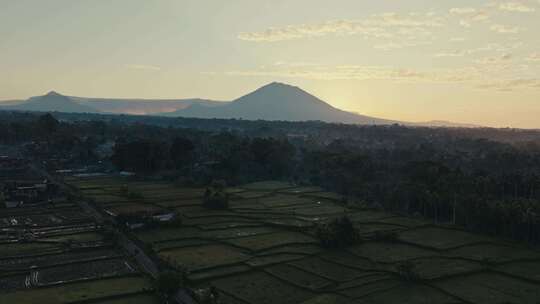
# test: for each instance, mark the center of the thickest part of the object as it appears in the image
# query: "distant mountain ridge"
(51, 102)
(141, 106)
(275, 101)
(55, 102)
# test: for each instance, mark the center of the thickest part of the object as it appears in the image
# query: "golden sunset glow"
(464, 61)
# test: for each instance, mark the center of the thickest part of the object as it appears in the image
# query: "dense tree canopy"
(484, 179)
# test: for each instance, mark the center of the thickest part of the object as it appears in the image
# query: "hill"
(55, 102)
(51, 102)
(278, 101)
(141, 106)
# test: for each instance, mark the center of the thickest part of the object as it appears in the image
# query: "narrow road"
(144, 261)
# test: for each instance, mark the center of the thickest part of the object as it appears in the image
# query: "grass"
(262, 288)
(23, 249)
(389, 252)
(440, 238)
(266, 241)
(328, 299)
(126, 209)
(526, 270)
(410, 294)
(267, 186)
(79, 237)
(434, 268)
(327, 269)
(132, 299)
(494, 253)
(273, 258)
(206, 256)
(298, 277)
(67, 293)
(491, 288)
(168, 234)
(229, 233)
(327, 195)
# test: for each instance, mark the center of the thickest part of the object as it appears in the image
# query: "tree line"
(447, 175)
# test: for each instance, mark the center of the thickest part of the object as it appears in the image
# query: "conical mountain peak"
(53, 93)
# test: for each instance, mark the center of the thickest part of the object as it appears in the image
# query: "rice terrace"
(263, 249)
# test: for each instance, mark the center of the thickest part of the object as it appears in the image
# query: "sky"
(410, 60)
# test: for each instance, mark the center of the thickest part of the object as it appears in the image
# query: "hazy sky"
(413, 60)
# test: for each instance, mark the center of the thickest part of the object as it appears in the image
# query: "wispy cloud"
(491, 72)
(495, 60)
(463, 10)
(503, 29)
(457, 53)
(516, 7)
(387, 46)
(472, 76)
(142, 67)
(534, 57)
(469, 15)
(387, 25)
(491, 47)
(358, 72)
(512, 84)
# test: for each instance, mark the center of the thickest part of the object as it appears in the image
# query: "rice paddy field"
(263, 250)
(59, 254)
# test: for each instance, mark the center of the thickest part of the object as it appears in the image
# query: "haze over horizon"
(463, 61)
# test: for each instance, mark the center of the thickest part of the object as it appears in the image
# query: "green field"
(132, 299)
(262, 250)
(23, 249)
(74, 292)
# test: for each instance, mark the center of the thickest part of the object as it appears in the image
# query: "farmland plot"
(262, 288)
(82, 271)
(206, 256)
(67, 293)
(262, 250)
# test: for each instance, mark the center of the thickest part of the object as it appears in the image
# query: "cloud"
(491, 47)
(493, 73)
(385, 25)
(462, 10)
(143, 67)
(452, 54)
(515, 7)
(399, 45)
(389, 46)
(359, 72)
(469, 15)
(497, 47)
(464, 23)
(535, 57)
(502, 29)
(511, 84)
(495, 60)
(458, 39)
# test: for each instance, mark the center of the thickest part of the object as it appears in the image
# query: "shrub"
(168, 282)
(215, 196)
(126, 192)
(337, 233)
(208, 295)
(385, 236)
(407, 271)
